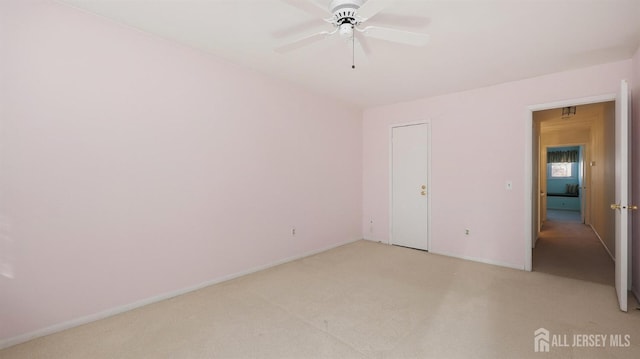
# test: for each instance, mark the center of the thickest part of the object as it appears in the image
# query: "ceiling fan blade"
(298, 28)
(372, 7)
(307, 40)
(310, 7)
(399, 36)
(401, 20)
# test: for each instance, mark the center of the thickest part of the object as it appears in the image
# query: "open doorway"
(564, 182)
(575, 175)
(613, 231)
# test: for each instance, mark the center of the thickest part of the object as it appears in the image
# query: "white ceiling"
(474, 43)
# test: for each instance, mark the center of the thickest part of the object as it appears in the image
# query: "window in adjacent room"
(560, 169)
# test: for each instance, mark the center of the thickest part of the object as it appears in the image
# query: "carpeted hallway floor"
(558, 215)
(361, 300)
(571, 249)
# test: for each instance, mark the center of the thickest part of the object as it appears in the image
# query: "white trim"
(390, 188)
(5, 343)
(573, 102)
(528, 165)
(602, 242)
(528, 193)
(480, 260)
(428, 184)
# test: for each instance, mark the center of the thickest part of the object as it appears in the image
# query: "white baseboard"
(481, 260)
(376, 240)
(473, 259)
(601, 241)
(5, 343)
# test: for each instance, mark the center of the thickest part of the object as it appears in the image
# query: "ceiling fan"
(347, 18)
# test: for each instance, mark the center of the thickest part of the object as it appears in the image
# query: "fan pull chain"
(353, 48)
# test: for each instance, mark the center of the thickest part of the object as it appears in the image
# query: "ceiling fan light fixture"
(568, 111)
(346, 31)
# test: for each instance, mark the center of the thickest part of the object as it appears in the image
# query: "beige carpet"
(571, 249)
(363, 300)
(563, 215)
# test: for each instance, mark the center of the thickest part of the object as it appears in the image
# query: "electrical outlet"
(293, 231)
(509, 185)
(467, 232)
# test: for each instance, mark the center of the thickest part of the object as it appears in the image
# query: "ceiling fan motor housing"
(345, 11)
(345, 16)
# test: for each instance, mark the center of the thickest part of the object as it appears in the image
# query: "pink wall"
(478, 144)
(635, 183)
(132, 166)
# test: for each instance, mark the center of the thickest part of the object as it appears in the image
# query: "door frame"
(623, 190)
(585, 196)
(428, 179)
(583, 178)
(530, 191)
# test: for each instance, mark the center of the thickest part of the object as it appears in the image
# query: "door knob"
(633, 208)
(423, 187)
(616, 206)
(424, 193)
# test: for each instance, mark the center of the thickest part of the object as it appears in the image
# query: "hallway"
(571, 249)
